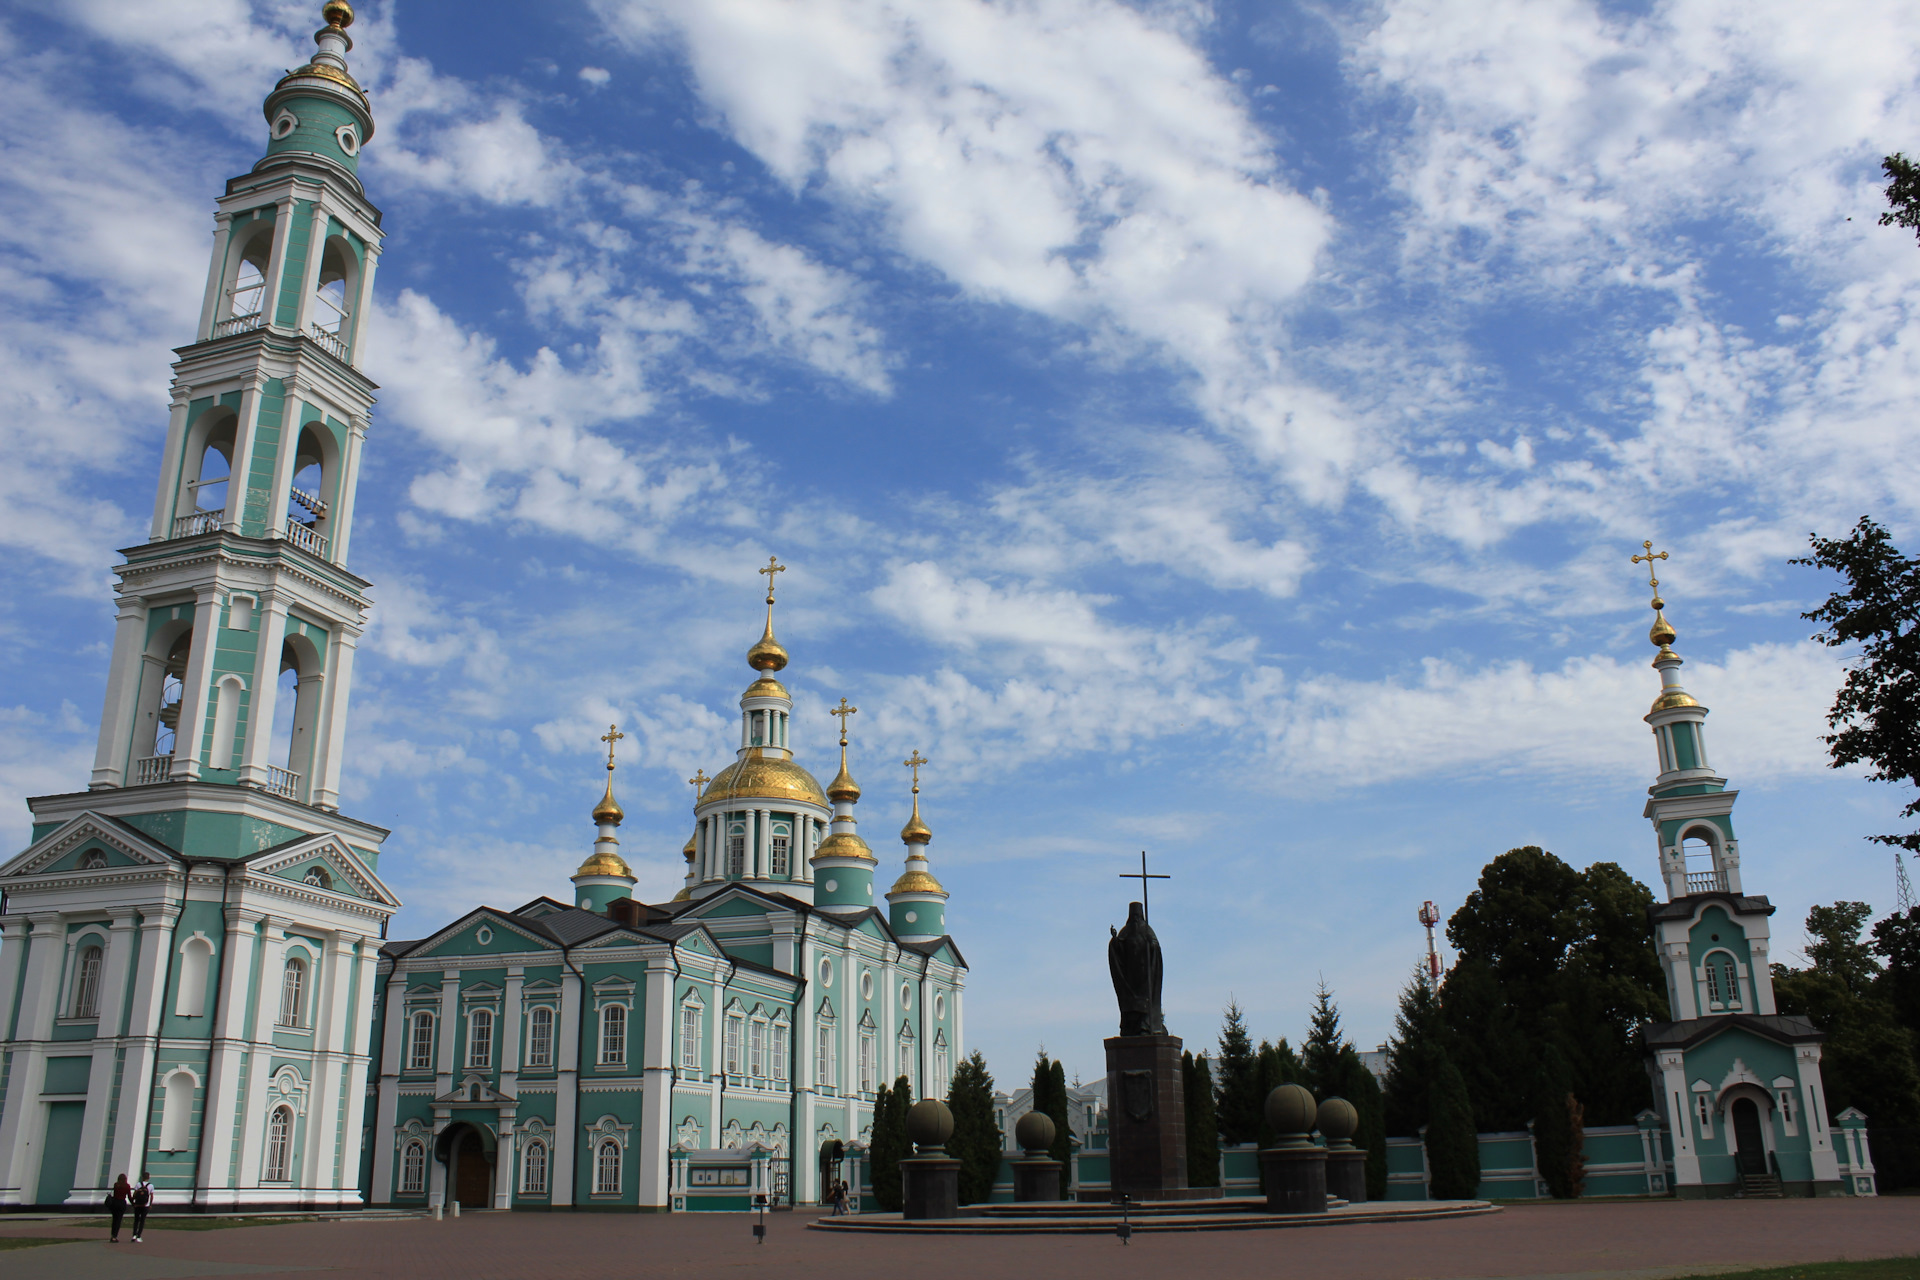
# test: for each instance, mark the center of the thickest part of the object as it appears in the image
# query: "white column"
(143, 1035)
(365, 301)
(656, 1098)
(13, 950)
(252, 389)
(229, 1042)
(316, 250)
(270, 621)
(216, 277)
(1813, 1107)
(278, 500)
(340, 515)
(277, 260)
(566, 1108)
(387, 1108)
(332, 1045)
(114, 966)
(449, 1024)
(762, 843)
(503, 1161)
(330, 727)
(122, 700)
(166, 494)
(197, 686)
(510, 1030)
(717, 1076)
(270, 965)
(24, 1119)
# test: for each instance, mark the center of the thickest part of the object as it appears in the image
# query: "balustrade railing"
(151, 769)
(238, 324)
(306, 539)
(283, 782)
(332, 343)
(198, 523)
(311, 501)
(1706, 882)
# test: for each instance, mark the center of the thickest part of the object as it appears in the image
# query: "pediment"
(473, 1091)
(123, 844)
(462, 937)
(326, 856)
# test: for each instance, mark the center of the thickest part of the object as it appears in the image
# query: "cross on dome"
(611, 736)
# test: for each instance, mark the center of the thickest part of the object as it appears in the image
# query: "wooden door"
(1746, 1132)
(473, 1175)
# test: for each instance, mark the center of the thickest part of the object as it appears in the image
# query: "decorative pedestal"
(1147, 1119)
(1295, 1179)
(1347, 1175)
(1035, 1180)
(930, 1187)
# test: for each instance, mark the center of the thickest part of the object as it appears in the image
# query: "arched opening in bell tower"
(310, 499)
(206, 473)
(1700, 850)
(246, 286)
(296, 713)
(334, 292)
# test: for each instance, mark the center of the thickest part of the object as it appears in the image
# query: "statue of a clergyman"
(1133, 955)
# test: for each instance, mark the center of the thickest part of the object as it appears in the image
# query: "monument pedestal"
(930, 1187)
(1147, 1119)
(1295, 1179)
(1347, 1175)
(1035, 1180)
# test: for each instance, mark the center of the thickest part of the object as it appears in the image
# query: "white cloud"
(596, 77)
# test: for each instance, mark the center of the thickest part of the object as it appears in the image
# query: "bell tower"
(238, 619)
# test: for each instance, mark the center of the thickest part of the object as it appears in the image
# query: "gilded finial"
(609, 810)
(843, 787)
(915, 832)
(767, 655)
(337, 13)
(1662, 632)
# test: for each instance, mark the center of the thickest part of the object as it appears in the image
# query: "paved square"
(1642, 1241)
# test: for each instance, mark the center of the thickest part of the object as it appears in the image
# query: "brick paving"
(1616, 1241)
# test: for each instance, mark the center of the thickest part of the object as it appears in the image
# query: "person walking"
(117, 1205)
(142, 1201)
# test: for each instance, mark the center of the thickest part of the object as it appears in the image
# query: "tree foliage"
(1050, 1099)
(976, 1140)
(1876, 714)
(889, 1143)
(1238, 1101)
(1453, 1141)
(1203, 1137)
(1903, 193)
(1320, 1054)
(1354, 1082)
(1274, 1065)
(1897, 941)
(1414, 1055)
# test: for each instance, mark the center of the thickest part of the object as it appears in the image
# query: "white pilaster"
(229, 1044)
(330, 727)
(340, 525)
(270, 966)
(114, 966)
(143, 1035)
(123, 688)
(656, 1098)
(449, 1025)
(270, 619)
(386, 1111)
(197, 685)
(24, 1120)
(252, 390)
(216, 277)
(566, 1107)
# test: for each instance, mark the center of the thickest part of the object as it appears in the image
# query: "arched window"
(247, 294)
(319, 878)
(737, 850)
(307, 499)
(757, 1049)
(540, 1037)
(480, 1039)
(613, 1035)
(780, 1051)
(93, 860)
(86, 983)
(1723, 980)
(1703, 864)
(420, 1051)
(733, 1045)
(176, 1111)
(690, 1038)
(226, 721)
(190, 999)
(533, 1170)
(296, 711)
(279, 1146)
(293, 992)
(606, 1179)
(782, 841)
(413, 1169)
(825, 1060)
(330, 301)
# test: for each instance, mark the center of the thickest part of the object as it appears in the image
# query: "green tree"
(1203, 1136)
(1897, 940)
(1903, 193)
(1320, 1055)
(889, 1144)
(976, 1140)
(1835, 948)
(1557, 1140)
(1453, 1142)
(1874, 715)
(1237, 1098)
(1414, 1055)
(1050, 1099)
(1357, 1085)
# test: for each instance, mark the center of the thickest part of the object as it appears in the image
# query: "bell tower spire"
(918, 902)
(843, 864)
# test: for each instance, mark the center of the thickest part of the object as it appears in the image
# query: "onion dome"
(688, 852)
(768, 655)
(604, 862)
(609, 810)
(844, 844)
(916, 880)
(766, 687)
(327, 64)
(843, 787)
(916, 832)
(764, 778)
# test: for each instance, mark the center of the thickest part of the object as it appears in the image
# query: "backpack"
(142, 1196)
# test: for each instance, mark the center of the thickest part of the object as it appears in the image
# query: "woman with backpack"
(117, 1205)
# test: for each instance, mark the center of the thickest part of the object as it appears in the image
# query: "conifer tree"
(1453, 1145)
(1203, 1137)
(1358, 1086)
(976, 1140)
(1274, 1065)
(1062, 1149)
(1413, 1056)
(889, 1145)
(1237, 1097)
(1320, 1055)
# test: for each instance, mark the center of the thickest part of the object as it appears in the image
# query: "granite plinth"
(1347, 1175)
(1035, 1180)
(930, 1187)
(1295, 1179)
(1146, 1118)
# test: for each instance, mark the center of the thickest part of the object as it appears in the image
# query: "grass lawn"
(1878, 1269)
(28, 1242)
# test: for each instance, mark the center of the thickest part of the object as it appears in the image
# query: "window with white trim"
(1705, 1110)
(733, 1044)
(690, 1038)
(781, 842)
(780, 1051)
(606, 1180)
(540, 1037)
(413, 1169)
(613, 1035)
(293, 992)
(279, 1146)
(86, 983)
(420, 1051)
(908, 1059)
(824, 1059)
(480, 1039)
(942, 1066)
(757, 1049)
(737, 852)
(867, 1064)
(533, 1169)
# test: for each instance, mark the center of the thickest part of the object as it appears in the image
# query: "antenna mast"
(1430, 916)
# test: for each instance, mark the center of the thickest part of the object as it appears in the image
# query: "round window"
(826, 972)
(483, 935)
(939, 1006)
(284, 123)
(833, 886)
(913, 917)
(349, 140)
(866, 985)
(586, 904)
(906, 995)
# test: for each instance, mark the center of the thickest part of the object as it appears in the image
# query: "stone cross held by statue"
(1142, 876)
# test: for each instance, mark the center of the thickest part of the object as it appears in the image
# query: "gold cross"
(914, 762)
(773, 566)
(611, 736)
(1650, 557)
(697, 781)
(843, 711)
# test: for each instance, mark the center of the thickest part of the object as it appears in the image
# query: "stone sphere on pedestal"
(929, 1125)
(1292, 1113)
(1338, 1121)
(1034, 1132)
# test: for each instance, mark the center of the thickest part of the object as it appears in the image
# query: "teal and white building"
(1736, 1082)
(593, 1051)
(190, 942)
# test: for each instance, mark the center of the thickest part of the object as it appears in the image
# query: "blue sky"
(1216, 430)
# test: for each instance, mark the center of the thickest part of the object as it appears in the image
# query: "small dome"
(1673, 698)
(607, 863)
(916, 832)
(687, 849)
(843, 787)
(844, 844)
(764, 778)
(766, 687)
(767, 655)
(685, 894)
(1662, 632)
(609, 810)
(337, 13)
(916, 880)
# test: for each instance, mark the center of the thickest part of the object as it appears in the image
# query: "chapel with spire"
(1737, 1082)
(597, 1050)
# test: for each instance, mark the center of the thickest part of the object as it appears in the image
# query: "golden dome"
(916, 880)
(764, 778)
(844, 844)
(685, 894)
(767, 655)
(337, 13)
(1662, 632)
(686, 850)
(1673, 698)
(609, 810)
(607, 863)
(843, 787)
(915, 832)
(766, 687)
